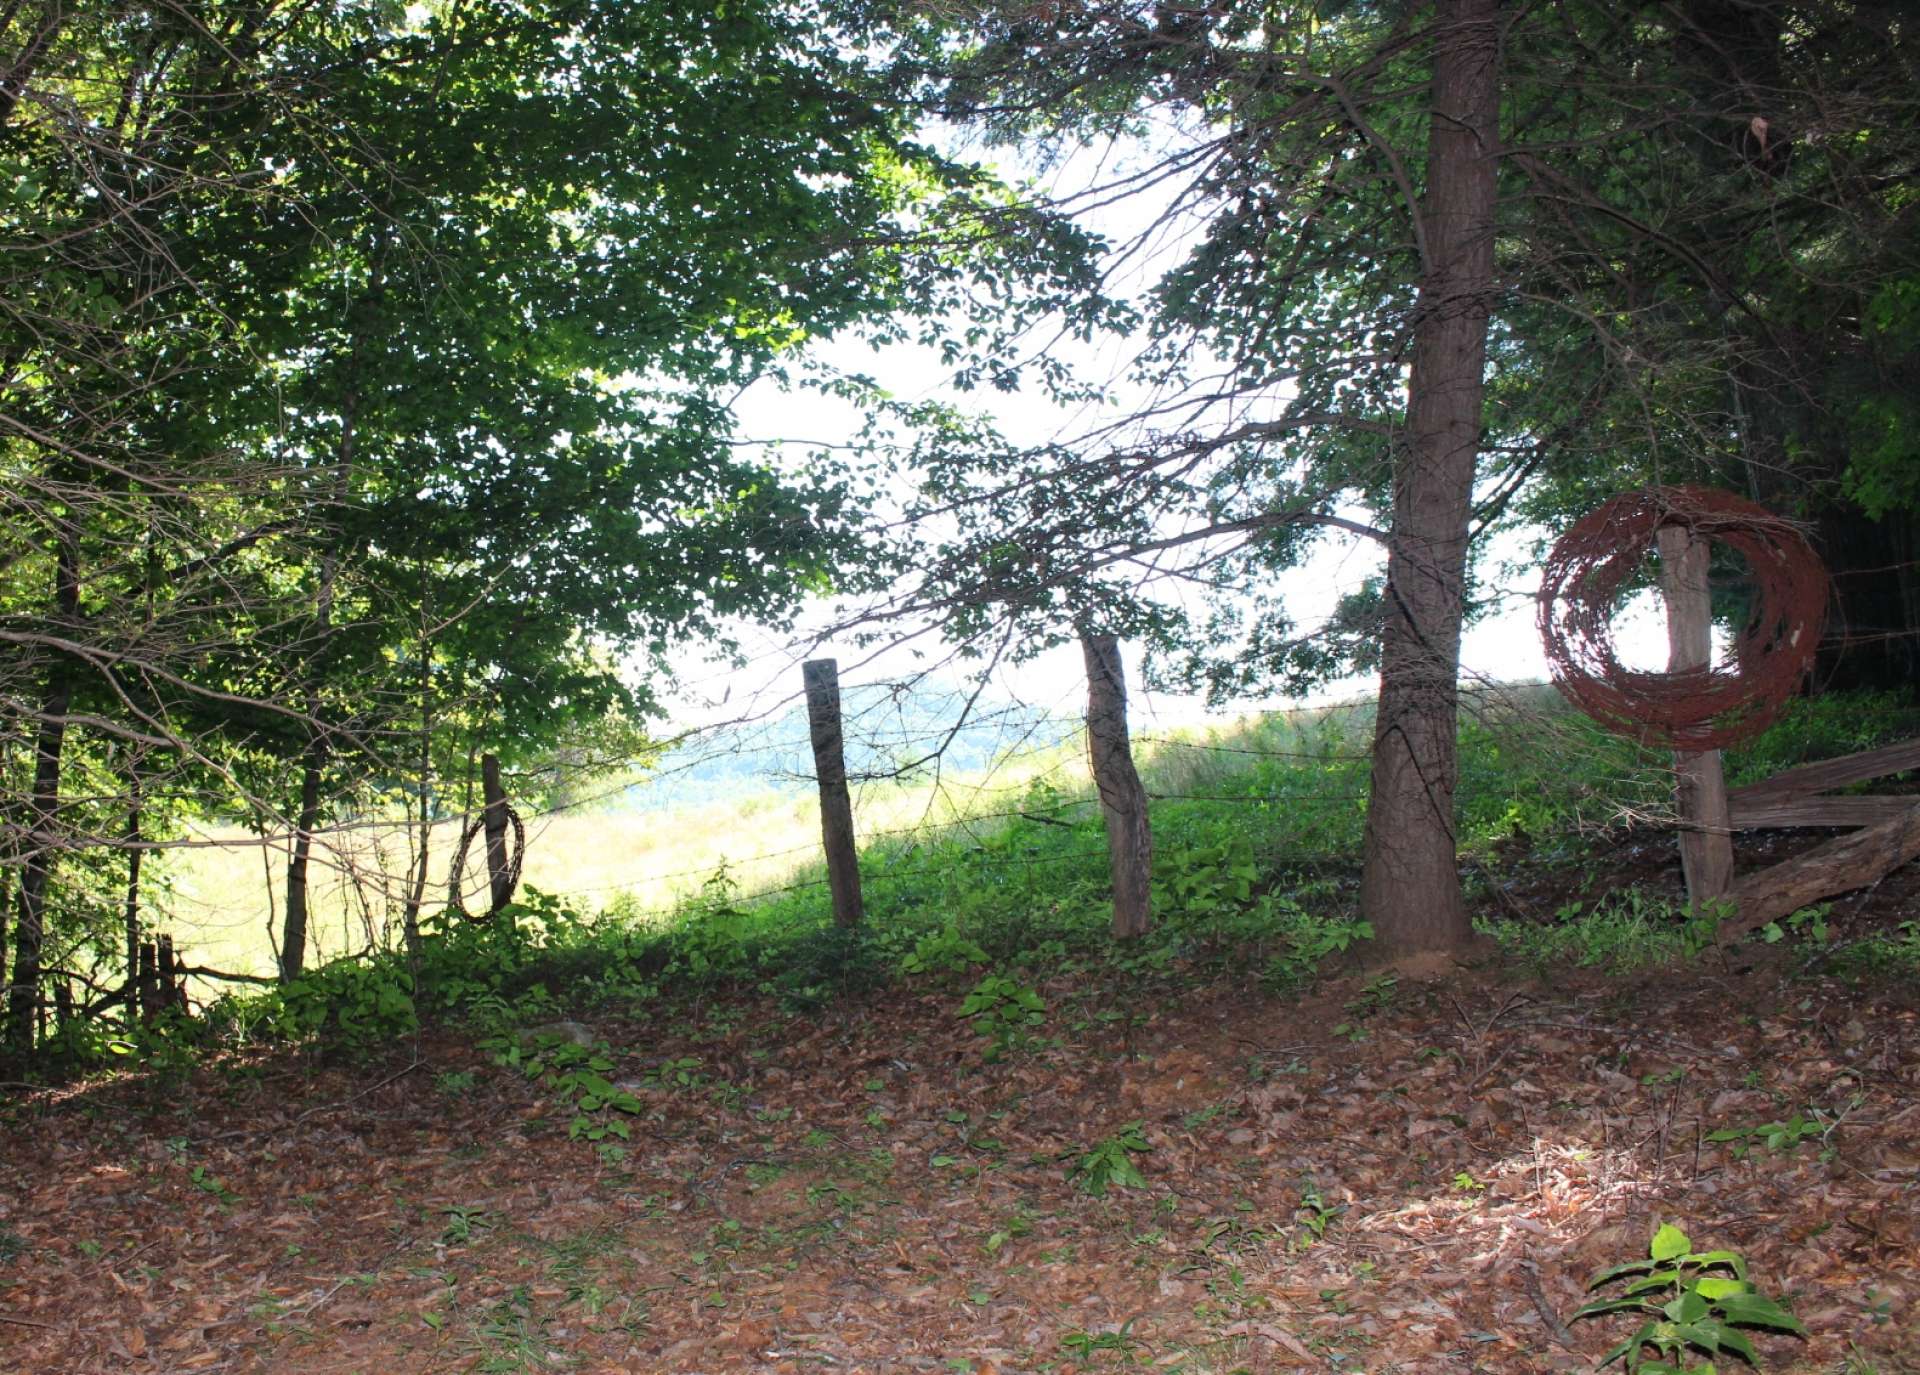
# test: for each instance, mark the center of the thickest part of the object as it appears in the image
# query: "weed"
(460, 1224)
(1111, 1162)
(1005, 1012)
(1781, 1137)
(1120, 1342)
(207, 1182)
(1375, 998)
(943, 952)
(1310, 941)
(1623, 932)
(1693, 1300)
(454, 1083)
(577, 1075)
(1314, 1215)
(1020, 1224)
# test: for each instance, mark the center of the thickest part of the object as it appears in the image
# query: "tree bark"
(1123, 798)
(293, 933)
(417, 891)
(23, 1003)
(1700, 784)
(132, 910)
(822, 678)
(493, 818)
(1410, 884)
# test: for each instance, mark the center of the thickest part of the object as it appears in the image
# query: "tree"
(416, 404)
(1715, 276)
(1402, 322)
(1345, 174)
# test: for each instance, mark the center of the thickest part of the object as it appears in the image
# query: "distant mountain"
(887, 730)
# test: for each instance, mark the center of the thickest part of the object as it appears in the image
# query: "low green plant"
(1119, 1342)
(1778, 1137)
(461, 1222)
(207, 1182)
(455, 1083)
(577, 1075)
(1315, 1215)
(350, 1006)
(1310, 941)
(944, 951)
(827, 964)
(1625, 931)
(1110, 1163)
(1694, 1301)
(1005, 1012)
(1376, 997)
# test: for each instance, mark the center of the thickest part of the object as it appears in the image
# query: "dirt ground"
(1417, 1176)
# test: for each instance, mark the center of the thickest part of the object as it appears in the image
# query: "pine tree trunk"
(23, 1004)
(1410, 886)
(132, 909)
(293, 933)
(1123, 798)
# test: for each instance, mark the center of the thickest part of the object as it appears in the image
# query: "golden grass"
(227, 890)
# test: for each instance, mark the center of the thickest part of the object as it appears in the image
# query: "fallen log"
(1839, 866)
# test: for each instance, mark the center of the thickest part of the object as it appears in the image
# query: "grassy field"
(226, 891)
(1285, 791)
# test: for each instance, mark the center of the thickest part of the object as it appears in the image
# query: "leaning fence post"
(822, 678)
(1123, 798)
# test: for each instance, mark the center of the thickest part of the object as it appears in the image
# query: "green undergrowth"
(1257, 833)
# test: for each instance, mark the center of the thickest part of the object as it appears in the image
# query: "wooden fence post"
(822, 678)
(1706, 838)
(493, 817)
(1123, 798)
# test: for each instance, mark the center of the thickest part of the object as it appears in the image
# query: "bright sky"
(1503, 647)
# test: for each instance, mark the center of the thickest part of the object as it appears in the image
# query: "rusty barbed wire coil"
(456, 896)
(1705, 708)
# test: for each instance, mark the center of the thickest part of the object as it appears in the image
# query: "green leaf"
(1733, 1341)
(1689, 1307)
(1718, 1287)
(1757, 1310)
(1731, 1259)
(1614, 1272)
(1659, 1279)
(1609, 1306)
(1698, 1334)
(1668, 1243)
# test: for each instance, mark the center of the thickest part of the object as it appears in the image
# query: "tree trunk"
(43, 843)
(134, 856)
(1410, 885)
(293, 934)
(822, 679)
(293, 939)
(417, 892)
(493, 818)
(1123, 799)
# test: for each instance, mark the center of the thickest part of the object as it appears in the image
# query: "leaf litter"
(1424, 1184)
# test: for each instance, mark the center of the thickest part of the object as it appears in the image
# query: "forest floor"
(1416, 1176)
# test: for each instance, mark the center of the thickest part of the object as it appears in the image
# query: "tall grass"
(1020, 844)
